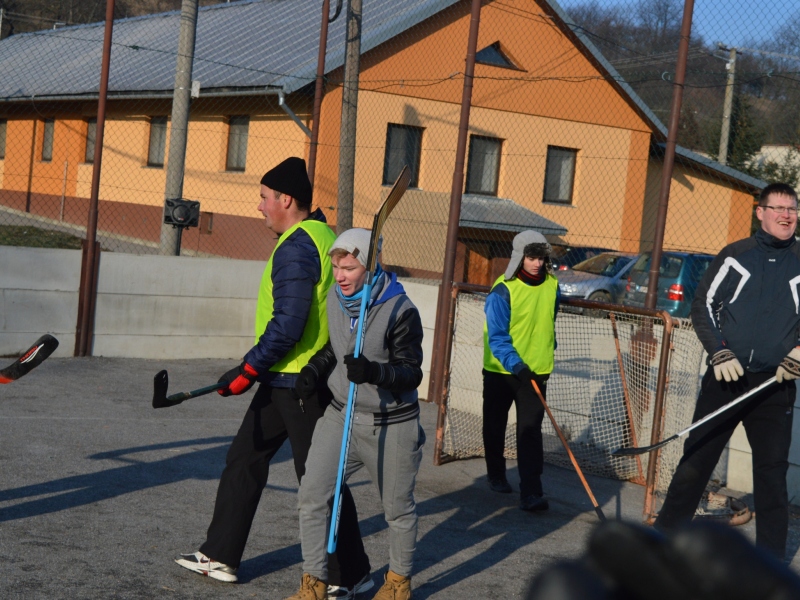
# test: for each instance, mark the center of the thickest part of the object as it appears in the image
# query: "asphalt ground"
(99, 492)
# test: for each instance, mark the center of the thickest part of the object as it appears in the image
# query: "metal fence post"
(86, 295)
(669, 154)
(441, 338)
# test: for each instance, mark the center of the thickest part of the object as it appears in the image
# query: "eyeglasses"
(783, 209)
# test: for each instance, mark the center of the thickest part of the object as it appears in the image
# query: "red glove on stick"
(239, 380)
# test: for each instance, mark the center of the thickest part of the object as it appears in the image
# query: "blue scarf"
(351, 305)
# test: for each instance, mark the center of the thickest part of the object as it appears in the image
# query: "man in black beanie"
(291, 326)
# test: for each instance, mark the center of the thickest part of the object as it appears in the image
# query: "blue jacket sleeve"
(296, 269)
(498, 320)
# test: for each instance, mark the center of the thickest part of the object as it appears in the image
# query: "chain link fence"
(567, 135)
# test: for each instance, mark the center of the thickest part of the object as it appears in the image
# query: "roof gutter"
(149, 95)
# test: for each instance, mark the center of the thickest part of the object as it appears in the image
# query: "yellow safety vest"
(532, 325)
(315, 334)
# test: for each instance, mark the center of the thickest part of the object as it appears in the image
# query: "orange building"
(558, 141)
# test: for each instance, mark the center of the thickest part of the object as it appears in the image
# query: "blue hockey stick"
(386, 208)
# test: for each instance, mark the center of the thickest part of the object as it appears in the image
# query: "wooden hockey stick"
(585, 483)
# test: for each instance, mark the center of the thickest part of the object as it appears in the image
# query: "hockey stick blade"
(398, 189)
(696, 424)
(32, 358)
(161, 383)
(643, 449)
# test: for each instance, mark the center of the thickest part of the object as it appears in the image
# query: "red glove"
(238, 380)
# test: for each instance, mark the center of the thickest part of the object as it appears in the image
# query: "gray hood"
(521, 241)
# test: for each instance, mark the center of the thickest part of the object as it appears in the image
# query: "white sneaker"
(200, 563)
(337, 592)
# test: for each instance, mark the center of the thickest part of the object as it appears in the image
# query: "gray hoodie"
(393, 339)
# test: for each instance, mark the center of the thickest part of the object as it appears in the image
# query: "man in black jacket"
(747, 315)
(291, 325)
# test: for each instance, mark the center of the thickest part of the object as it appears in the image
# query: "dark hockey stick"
(161, 383)
(578, 470)
(383, 213)
(32, 358)
(696, 424)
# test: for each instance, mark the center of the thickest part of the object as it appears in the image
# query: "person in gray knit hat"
(519, 345)
(386, 436)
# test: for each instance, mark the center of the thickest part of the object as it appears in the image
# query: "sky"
(733, 22)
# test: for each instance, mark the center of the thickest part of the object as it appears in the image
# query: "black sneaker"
(338, 592)
(500, 485)
(534, 503)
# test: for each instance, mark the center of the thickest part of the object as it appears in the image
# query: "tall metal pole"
(88, 276)
(440, 337)
(347, 134)
(728, 110)
(179, 123)
(669, 154)
(323, 47)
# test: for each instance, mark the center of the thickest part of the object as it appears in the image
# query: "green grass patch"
(33, 237)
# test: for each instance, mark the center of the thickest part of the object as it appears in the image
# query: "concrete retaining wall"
(147, 306)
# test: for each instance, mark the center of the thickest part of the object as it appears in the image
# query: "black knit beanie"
(290, 178)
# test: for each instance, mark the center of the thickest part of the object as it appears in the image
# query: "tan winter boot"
(311, 588)
(395, 587)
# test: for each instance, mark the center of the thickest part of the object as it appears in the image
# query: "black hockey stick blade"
(696, 424)
(161, 383)
(398, 189)
(644, 449)
(32, 358)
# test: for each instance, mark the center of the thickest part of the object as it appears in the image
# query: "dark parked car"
(679, 274)
(601, 278)
(566, 257)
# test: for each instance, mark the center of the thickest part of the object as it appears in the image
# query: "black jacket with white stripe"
(749, 302)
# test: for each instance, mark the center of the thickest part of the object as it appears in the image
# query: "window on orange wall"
(403, 147)
(91, 138)
(158, 141)
(483, 165)
(3, 127)
(559, 177)
(47, 141)
(238, 130)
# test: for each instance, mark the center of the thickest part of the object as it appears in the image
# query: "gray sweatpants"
(391, 455)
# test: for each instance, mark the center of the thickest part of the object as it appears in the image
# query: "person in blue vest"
(291, 325)
(519, 345)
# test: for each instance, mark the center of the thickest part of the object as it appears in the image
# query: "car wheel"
(597, 297)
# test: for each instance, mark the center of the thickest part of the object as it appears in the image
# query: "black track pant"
(275, 415)
(767, 420)
(499, 391)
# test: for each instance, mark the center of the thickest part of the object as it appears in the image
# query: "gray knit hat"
(527, 243)
(356, 242)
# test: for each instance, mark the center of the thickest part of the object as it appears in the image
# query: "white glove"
(727, 366)
(790, 366)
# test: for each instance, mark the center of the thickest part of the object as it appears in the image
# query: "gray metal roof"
(488, 212)
(249, 44)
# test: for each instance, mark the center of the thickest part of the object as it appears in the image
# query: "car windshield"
(603, 264)
(670, 265)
